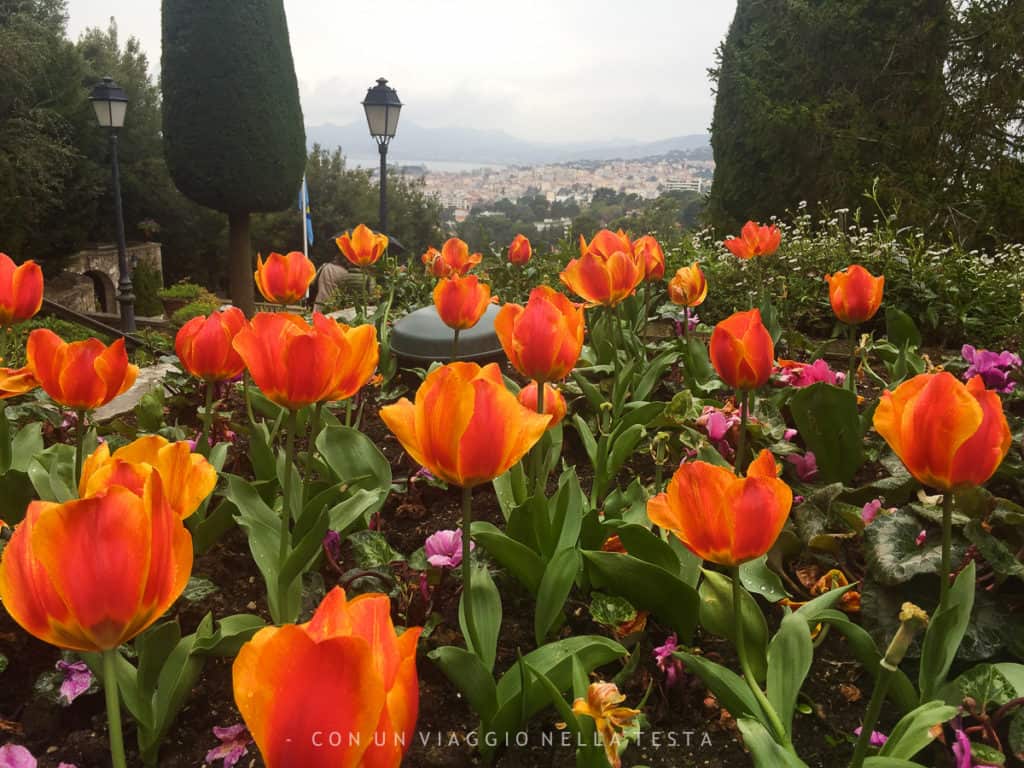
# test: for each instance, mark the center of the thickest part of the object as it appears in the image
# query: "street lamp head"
(382, 107)
(110, 102)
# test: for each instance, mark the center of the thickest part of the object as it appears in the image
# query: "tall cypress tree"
(816, 98)
(233, 131)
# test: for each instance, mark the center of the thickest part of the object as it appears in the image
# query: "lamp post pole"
(383, 148)
(382, 107)
(125, 291)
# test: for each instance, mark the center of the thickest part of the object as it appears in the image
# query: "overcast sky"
(552, 70)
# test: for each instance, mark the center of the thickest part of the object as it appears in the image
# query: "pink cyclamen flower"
(14, 756)
(77, 679)
(667, 662)
(444, 549)
(993, 367)
(877, 737)
(921, 538)
(798, 375)
(332, 545)
(806, 466)
(718, 424)
(870, 511)
(234, 742)
(789, 434)
(962, 752)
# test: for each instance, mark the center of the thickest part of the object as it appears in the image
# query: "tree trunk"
(240, 264)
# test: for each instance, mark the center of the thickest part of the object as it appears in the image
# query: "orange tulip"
(293, 363)
(946, 434)
(742, 350)
(358, 355)
(186, 477)
(755, 240)
(284, 279)
(554, 401)
(363, 246)
(16, 381)
(456, 258)
(520, 251)
(465, 427)
(203, 345)
(91, 574)
(82, 375)
(603, 706)
(340, 690)
(649, 251)
(437, 266)
(21, 290)
(855, 294)
(721, 517)
(689, 287)
(543, 340)
(461, 301)
(607, 272)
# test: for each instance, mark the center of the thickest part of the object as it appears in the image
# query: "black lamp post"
(382, 108)
(111, 103)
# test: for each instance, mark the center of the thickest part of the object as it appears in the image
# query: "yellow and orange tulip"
(688, 287)
(606, 243)
(520, 251)
(542, 340)
(742, 350)
(607, 271)
(187, 478)
(755, 240)
(21, 290)
(294, 364)
(362, 246)
(720, 517)
(358, 355)
(284, 278)
(855, 294)
(16, 381)
(456, 258)
(649, 252)
(948, 435)
(435, 265)
(461, 301)
(203, 345)
(554, 401)
(340, 690)
(603, 705)
(82, 375)
(465, 426)
(91, 574)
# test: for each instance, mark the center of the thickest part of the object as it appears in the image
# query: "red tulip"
(363, 246)
(742, 350)
(648, 249)
(755, 240)
(284, 279)
(82, 375)
(461, 301)
(21, 290)
(855, 294)
(607, 272)
(520, 251)
(543, 340)
(203, 345)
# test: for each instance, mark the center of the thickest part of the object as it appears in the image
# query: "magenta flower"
(667, 663)
(444, 549)
(994, 368)
(796, 374)
(234, 741)
(921, 538)
(13, 756)
(77, 679)
(332, 545)
(806, 466)
(717, 424)
(962, 752)
(789, 434)
(877, 737)
(869, 511)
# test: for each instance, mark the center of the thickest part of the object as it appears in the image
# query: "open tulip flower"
(294, 364)
(362, 247)
(688, 287)
(721, 517)
(554, 401)
(432, 260)
(947, 434)
(461, 301)
(91, 574)
(603, 704)
(855, 294)
(21, 290)
(607, 271)
(542, 340)
(16, 381)
(340, 690)
(358, 355)
(755, 240)
(81, 375)
(187, 478)
(742, 350)
(520, 251)
(648, 250)
(203, 345)
(284, 278)
(454, 259)
(465, 427)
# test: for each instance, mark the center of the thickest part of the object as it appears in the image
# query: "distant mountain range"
(468, 145)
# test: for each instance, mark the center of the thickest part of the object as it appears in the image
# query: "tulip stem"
(366, 293)
(472, 641)
(871, 716)
(455, 346)
(286, 505)
(686, 323)
(947, 548)
(537, 462)
(741, 650)
(79, 443)
(204, 437)
(741, 441)
(113, 699)
(248, 400)
(851, 377)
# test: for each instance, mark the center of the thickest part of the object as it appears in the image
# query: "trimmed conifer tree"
(233, 130)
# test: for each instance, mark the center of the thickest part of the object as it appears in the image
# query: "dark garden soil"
(686, 726)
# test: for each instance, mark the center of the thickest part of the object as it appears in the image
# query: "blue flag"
(304, 208)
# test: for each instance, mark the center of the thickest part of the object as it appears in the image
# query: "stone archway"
(104, 290)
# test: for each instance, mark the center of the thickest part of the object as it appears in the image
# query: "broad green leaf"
(355, 460)
(525, 564)
(610, 610)
(470, 676)
(555, 586)
(900, 329)
(985, 684)
(916, 730)
(486, 616)
(718, 616)
(764, 750)
(829, 425)
(892, 552)
(790, 654)
(761, 580)
(730, 689)
(644, 545)
(372, 550)
(944, 634)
